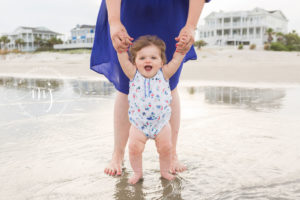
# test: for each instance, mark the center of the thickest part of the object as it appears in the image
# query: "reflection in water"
(39, 97)
(80, 87)
(92, 87)
(254, 98)
(171, 189)
(125, 191)
(139, 191)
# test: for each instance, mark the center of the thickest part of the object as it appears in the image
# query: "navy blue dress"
(163, 18)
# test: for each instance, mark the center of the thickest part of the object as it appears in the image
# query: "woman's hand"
(185, 39)
(119, 37)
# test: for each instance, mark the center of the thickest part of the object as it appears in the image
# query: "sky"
(63, 15)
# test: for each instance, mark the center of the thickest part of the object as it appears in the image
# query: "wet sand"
(238, 143)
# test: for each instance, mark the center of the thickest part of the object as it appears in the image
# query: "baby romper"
(149, 103)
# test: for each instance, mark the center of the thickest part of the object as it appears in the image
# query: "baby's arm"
(170, 68)
(128, 68)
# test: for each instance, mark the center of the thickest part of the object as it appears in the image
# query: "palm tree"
(19, 43)
(279, 36)
(38, 41)
(270, 32)
(200, 44)
(4, 40)
(52, 41)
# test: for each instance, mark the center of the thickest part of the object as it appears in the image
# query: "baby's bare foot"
(167, 176)
(135, 178)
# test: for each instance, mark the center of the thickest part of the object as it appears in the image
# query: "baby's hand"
(183, 47)
(185, 40)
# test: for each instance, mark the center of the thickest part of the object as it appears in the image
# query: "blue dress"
(163, 18)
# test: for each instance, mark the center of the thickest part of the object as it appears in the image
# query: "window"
(236, 31)
(251, 30)
(227, 20)
(227, 32)
(257, 31)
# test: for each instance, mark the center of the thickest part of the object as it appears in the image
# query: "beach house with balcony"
(241, 27)
(82, 36)
(28, 36)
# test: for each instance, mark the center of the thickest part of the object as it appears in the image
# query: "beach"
(239, 132)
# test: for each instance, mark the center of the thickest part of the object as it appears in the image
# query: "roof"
(84, 26)
(249, 12)
(39, 29)
(87, 26)
(279, 12)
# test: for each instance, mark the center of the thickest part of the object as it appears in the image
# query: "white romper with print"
(149, 103)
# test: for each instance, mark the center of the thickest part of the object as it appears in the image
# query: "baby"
(149, 101)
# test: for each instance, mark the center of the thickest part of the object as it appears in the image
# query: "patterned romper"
(149, 103)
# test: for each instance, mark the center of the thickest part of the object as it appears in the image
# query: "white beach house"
(28, 35)
(241, 27)
(82, 36)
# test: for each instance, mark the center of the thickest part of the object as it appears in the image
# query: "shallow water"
(237, 142)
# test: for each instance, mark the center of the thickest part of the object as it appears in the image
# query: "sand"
(241, 148)
(213, 65)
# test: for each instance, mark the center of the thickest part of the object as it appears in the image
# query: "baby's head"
(147, 53)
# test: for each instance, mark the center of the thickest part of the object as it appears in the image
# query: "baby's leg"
(137, 141)
(164, 146)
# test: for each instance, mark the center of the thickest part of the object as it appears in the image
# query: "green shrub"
(293, 47)
(277, 46)
(199, 44)
(240, 47)
(45, 48)
(252, 46)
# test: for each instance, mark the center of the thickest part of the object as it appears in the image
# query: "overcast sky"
(62, 15)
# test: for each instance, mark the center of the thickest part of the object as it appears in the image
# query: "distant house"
(241, 27)
(82, 36)
(28, 35)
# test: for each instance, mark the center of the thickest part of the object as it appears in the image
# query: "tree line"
(284, 42)
(42, 44)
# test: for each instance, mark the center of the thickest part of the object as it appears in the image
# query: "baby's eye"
(142, 58)
(153, 57)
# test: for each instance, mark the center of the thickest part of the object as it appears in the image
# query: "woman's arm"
(188, 31)
(113, 10)
(128, 68)
(195, 9)
(118, 33)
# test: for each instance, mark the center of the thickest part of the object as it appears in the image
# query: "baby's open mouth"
(148, 68)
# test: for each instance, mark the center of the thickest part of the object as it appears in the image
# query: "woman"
(118, 23)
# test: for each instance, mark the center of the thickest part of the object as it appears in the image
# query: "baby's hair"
(148, 40)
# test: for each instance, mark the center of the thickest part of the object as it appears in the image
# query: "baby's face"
(148, 61)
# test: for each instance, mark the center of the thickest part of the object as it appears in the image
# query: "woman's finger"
(119, 46)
